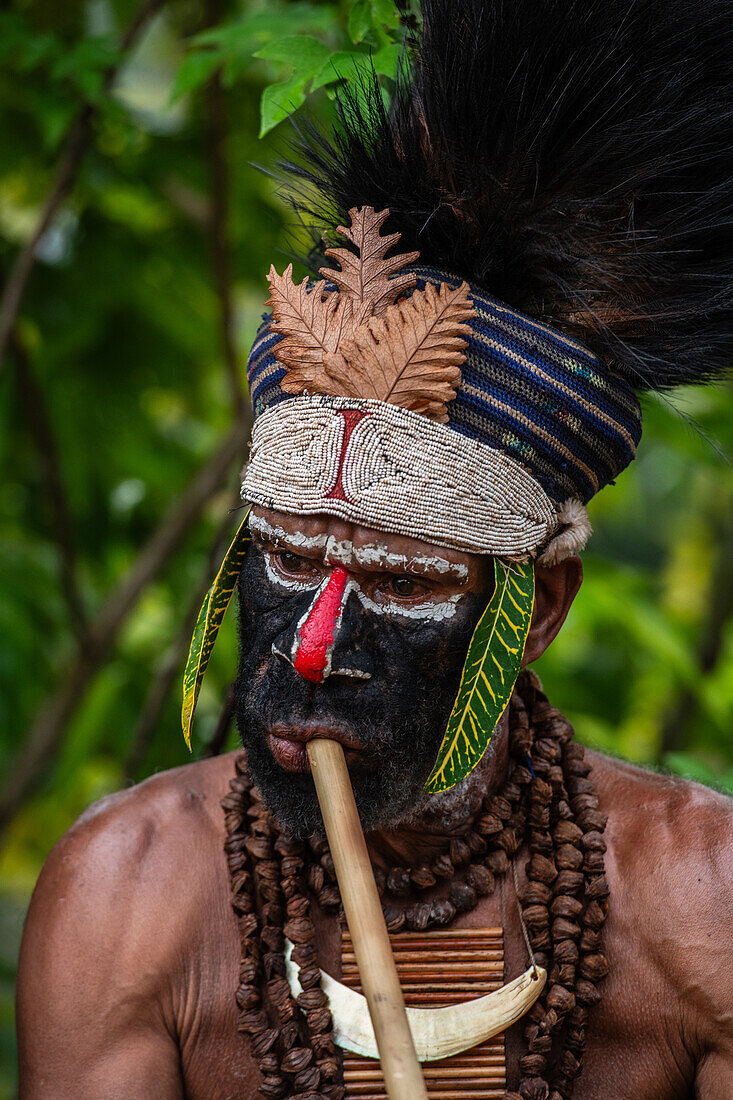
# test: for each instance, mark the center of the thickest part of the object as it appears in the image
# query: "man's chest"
(632, 1041)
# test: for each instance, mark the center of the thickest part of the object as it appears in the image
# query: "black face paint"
(397, 717)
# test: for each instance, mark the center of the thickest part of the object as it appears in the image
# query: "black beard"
(397, 718)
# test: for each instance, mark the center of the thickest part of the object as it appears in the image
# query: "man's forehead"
(343, 543)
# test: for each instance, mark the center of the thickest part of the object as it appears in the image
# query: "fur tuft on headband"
(571, 534)
(571, 158)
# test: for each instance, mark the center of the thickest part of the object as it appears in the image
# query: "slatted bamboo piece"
(363, 910)
(435, 969)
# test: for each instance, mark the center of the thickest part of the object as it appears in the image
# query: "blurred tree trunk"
(51, 721)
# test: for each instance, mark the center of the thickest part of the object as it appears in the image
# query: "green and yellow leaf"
(210, 619)
(489, 674)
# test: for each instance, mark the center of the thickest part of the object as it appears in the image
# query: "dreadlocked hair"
(569, 157)
(547, 806)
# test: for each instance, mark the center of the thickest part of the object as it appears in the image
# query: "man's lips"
(288, 744)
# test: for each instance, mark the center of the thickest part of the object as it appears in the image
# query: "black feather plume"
(570, 157)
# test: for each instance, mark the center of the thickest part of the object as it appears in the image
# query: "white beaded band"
(393, 470)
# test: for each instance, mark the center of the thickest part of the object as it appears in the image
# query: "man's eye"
(405, 587)
(293, 563)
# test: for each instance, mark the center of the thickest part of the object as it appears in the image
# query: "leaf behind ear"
(207, 626)
(489, 674)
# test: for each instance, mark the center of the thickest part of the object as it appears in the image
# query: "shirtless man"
(430, 425)
(131, 950)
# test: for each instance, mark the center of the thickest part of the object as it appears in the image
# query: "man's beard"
(397, 718)
(388, 782)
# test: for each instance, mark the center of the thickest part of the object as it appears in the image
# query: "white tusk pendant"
(436, 1032)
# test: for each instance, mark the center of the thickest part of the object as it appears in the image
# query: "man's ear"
(555, 589)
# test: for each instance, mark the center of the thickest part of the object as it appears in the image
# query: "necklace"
(548, 803)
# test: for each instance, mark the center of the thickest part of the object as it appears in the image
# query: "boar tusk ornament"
(436, 1032)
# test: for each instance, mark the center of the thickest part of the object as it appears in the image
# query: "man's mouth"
(287, 743)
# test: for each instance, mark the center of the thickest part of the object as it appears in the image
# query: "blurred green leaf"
(194, 71)
(305, 53)
(360, 20)
(369, 16)
(349, 65)
(278, 21)
(307, 56)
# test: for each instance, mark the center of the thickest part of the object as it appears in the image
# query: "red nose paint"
(315, 638)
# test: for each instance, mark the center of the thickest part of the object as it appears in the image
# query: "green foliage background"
(118, 386)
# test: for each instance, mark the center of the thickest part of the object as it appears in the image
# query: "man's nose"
(311, 652)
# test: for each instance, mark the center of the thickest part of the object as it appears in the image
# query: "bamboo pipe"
(402, 1073)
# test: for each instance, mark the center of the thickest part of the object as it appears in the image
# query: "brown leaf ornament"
(361, 341)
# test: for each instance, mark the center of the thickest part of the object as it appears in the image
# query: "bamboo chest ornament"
(461, 1045)
(436, 969)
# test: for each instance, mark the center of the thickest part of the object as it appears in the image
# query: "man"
(131, 951)
(421, 459)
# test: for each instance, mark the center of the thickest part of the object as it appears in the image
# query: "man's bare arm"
(95, 1015)
(709, 940)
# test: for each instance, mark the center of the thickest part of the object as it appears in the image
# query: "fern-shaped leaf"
(368, 278)
(210, 619)
(411, 356)
(312, 322)
(489, 674)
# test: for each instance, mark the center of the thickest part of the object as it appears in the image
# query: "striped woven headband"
(538, 425)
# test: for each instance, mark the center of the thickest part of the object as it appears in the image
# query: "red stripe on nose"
(315, 638)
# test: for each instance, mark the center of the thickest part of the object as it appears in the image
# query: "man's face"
(399, 620)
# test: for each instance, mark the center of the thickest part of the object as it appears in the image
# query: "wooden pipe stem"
(369, 936)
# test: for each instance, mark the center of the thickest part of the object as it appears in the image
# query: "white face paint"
(343, 552)
(294, 540)
(288, 583)
(429, 609)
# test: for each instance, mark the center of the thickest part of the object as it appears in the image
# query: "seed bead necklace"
(548, 803)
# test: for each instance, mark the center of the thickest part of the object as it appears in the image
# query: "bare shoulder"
(670, 869)
(132, 904)
(650, 813)
(164, 827)
(132, 873)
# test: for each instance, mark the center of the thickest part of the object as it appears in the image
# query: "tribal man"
(527, 237)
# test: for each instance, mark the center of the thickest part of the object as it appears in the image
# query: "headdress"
(554, 174)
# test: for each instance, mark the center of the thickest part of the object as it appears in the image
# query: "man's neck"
(423, 836)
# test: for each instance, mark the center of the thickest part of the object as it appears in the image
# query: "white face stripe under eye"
(288, 583)
(427, 610)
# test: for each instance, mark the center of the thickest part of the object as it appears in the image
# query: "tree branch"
(72, 154)
(47, 729)
(221, 260)
(35, 409)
